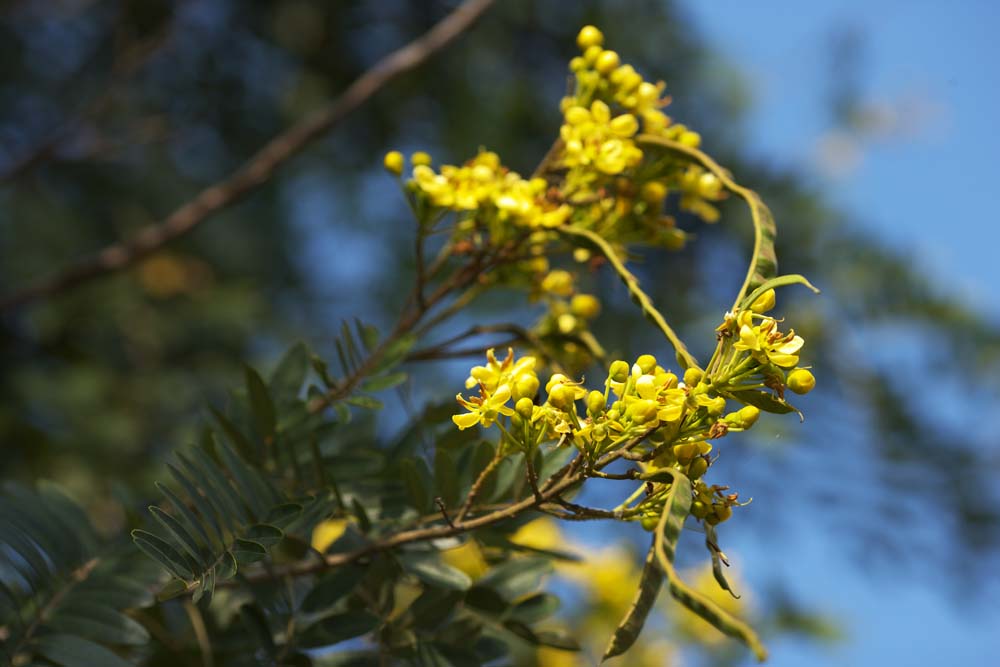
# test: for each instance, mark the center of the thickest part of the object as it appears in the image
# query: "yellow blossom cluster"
(485, 186)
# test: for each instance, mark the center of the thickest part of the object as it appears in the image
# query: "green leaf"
(339, 627)
(236, 436)
(261, 404)
(287, 379)
(429, 568)
(161, 551)
(446, 477)
(552, 638)
(323, 371)
(675, 511)
(415, 476)
(383, 382)
(366, 402)
(394, 352)
(183, 537)
(247, 552)
(629, 628)
(332, 587)
(780, 281)
(367, 333)
(364, 523)
(284, 514)
(227, 567)
(98, 622)
(264, 534)
(517, 577)
(73, 651)
(535, 608)
(172, 589)
(766, 401)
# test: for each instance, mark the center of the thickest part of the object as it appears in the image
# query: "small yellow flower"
(767, 344)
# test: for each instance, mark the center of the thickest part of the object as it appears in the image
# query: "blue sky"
(923, 178)
(920, 177)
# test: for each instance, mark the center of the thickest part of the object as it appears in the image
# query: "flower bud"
(685, 452)
(585, 305)
(606, 62)
(749, 415)
(699, 509)
(561, 396)
(592, 53)
(646, 387)
(697, 468)
(642, 411)
(566, 323)
(589, 36)
(420, 158)
(716, 406)
(393, 162)
(595, 403)
(646, 363)
(801, 381)
(763, 303)
(693, 376)
(614, 415)
(619, 371)
(557, 378)
(650, 522)
(524, 407)
(525, 386)
(709, 185)
(558, 282)
(653, 192)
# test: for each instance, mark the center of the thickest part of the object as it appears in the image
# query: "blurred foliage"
(115, 112)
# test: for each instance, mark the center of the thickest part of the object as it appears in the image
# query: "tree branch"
(259, 168)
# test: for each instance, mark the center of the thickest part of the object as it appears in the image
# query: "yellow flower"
(766, 343)
(326, 533)
(483, 409)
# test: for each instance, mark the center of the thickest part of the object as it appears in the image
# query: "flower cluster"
(485, 187)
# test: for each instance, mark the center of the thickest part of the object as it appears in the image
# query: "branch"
(259, 168)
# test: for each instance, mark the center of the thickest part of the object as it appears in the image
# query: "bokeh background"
(868, 128)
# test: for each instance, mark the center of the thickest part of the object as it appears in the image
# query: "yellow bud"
(642, 411)
(674, 239)
(709, 185)
(525, 386)
(619, 371)
(589, 36)
(606, 62)
(801, 381)
(566, 323)
(749, 415)
(595, 403)
(693, 376)
(697, 468)
(689, 138)
(420, 158)
(699, 509)
(763, 303)
(585, 305)
(524, 407)
(561, 397)
(576, 64)
(614, 415)
(393, 162)
(592, 53)
(653, 192)
(684, 453)
(722, 512)
(558, 282)
(716, 406)
(646, 363)
(581, 255)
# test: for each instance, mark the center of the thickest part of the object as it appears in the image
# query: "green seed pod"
(650, 522)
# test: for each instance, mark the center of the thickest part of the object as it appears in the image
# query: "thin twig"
(259, 168)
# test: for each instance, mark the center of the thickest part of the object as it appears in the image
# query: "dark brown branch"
(259, 168)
